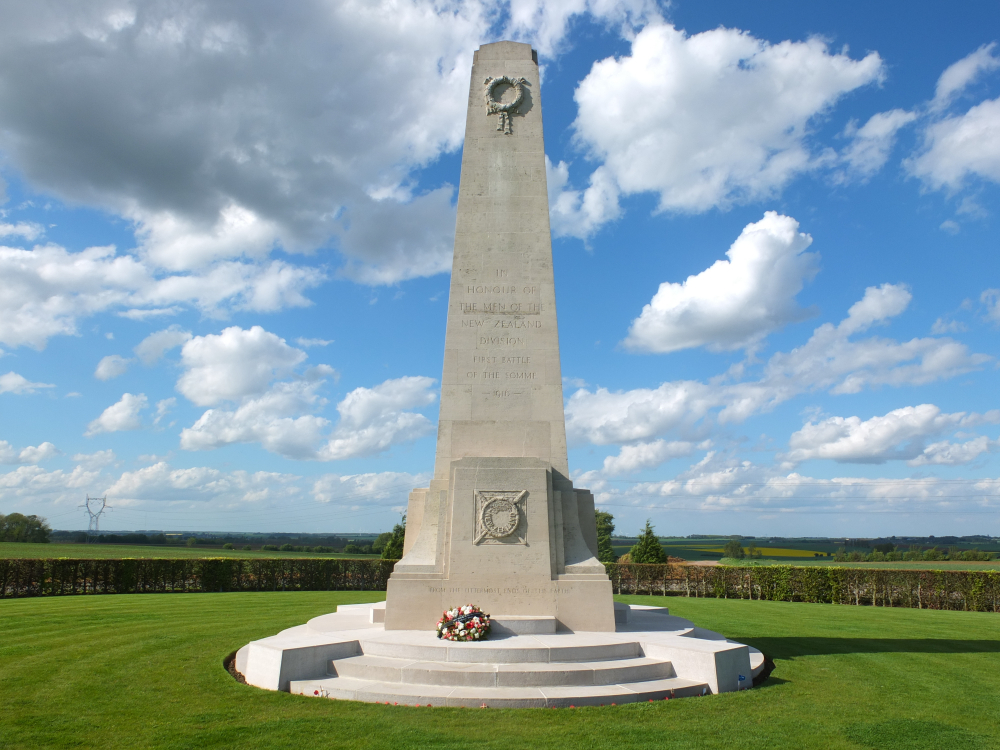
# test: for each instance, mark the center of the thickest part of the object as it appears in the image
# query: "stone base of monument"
(524, 663)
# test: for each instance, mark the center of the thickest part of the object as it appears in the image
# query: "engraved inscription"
(478, 359)
(517, 323)
(494, 289)
(555, 589)
(501, 341)
(501, 308)
(487, 375)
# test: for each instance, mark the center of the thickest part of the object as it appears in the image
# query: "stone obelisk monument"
(501, 525)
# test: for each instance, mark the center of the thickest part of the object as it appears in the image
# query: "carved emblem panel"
(501, 517)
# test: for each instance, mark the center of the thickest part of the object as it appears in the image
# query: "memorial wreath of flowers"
(468, 623)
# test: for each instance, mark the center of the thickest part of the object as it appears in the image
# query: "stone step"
(373, 691)
(522, 624)
(518, 650)
(529, 674)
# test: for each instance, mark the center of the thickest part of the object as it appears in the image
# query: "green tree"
(393, 549)
(379, 544)
(647, 548)
(605, 528)
(734, 550)
(20, 528)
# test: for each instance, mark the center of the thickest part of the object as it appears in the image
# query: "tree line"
(17, 527)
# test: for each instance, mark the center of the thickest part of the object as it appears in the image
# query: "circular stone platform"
(350, 656)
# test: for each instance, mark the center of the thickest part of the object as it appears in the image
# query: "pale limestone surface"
(501, 526)
(348, 655)
(501, 391)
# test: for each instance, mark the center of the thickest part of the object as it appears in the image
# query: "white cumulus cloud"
(120, 416)
(48, 289)
(155, 345)
(111, 367)
(898, 435)
(546, 22)
(991, 298)
(12, 382)
(834, 359)
(359, 490)
(960, 146)
(959, 75)
(234, 364)
(221, 146)
(285, 420)
(29, 230)
(161, 482)
(946, 453)
(32, 454)
(726, 485)
(632, 458)
(374, 419)
(735, 302)
(269, 419)
(163, 407)
(703, 120)
(285, 417)
(872, 143)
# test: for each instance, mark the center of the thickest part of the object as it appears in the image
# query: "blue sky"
(227, 227)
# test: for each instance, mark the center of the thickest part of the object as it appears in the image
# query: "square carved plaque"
(501, 517)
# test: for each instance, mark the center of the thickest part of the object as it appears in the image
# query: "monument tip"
(505, 50)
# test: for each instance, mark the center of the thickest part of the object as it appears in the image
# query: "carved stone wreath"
(504, 110)
(500, 517)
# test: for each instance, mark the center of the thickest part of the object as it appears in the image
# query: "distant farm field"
(713, 550)
(900, 565)
(11, 550)
(134, 672)
(771, 551)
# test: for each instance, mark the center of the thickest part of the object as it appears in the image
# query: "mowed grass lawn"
(145, 671)
(119, 551)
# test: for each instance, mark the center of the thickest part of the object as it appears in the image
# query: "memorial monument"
(501, 525)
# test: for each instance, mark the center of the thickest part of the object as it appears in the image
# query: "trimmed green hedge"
(926, 589)
(148, 576)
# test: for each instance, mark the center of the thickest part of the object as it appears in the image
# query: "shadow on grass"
(789, 648)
